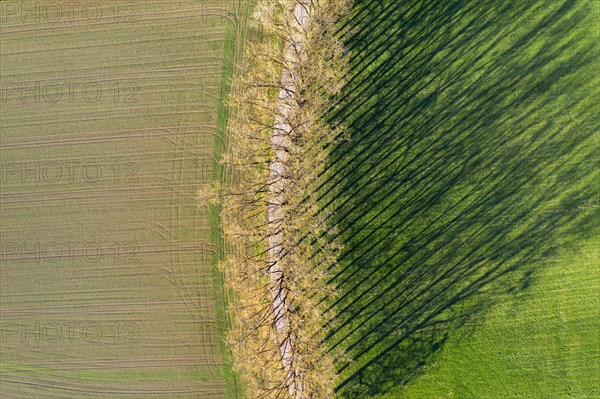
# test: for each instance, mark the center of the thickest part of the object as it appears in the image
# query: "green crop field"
(467, 201)
(111, 119)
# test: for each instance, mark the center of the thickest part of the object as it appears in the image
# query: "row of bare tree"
(292, 70)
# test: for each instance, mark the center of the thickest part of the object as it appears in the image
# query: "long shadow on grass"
(471, 160)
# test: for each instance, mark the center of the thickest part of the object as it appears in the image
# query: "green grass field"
(111, 119)
(467, 200)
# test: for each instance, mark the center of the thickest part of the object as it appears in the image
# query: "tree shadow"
(471, 160)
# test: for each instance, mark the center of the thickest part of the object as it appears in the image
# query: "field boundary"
(236, 30)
